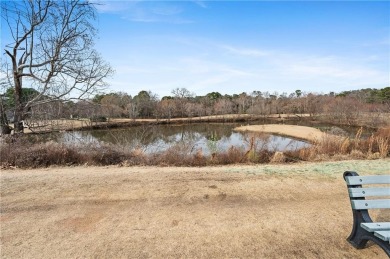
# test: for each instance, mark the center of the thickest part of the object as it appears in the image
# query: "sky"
(243, 46)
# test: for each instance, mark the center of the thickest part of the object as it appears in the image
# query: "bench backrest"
(357, 193)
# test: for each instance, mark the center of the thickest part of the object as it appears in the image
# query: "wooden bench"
(364, 229)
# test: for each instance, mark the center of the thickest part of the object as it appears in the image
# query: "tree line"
(344, 108)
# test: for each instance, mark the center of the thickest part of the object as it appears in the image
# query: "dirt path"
(270, 211)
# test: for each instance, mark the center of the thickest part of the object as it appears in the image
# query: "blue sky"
(242, 46)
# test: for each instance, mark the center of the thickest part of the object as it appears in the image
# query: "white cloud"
(206, 66)
(200, 3)
(125, 69)
(303, 67)
(203, 66)
(329, 68)
(144, 11)
(246, 51)
(113, 6)
(167, 10)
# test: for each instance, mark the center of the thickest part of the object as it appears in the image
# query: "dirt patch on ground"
(270, 211)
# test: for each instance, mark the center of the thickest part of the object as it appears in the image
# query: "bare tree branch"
(52, 52)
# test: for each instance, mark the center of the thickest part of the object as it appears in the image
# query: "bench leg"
(359, 236)
(360, 240)
(384, 245)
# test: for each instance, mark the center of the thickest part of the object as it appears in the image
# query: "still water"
(207, 137)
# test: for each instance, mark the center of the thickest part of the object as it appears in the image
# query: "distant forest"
(344, 107)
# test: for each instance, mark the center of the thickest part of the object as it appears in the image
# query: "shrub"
(278, 157)
(39, 155)
(25, 154)
(232, 156)
(102, 154)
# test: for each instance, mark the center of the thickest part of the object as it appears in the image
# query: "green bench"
(364, 229)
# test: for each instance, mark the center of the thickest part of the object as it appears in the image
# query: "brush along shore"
(23, 152)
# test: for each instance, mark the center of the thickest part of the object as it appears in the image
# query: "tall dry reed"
(331, 147)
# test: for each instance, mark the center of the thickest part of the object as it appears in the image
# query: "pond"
(207, 137)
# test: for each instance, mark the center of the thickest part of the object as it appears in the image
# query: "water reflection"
(208, 138)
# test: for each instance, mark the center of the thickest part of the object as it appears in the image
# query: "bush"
(39, 155)
(25, 154)
(102, 154)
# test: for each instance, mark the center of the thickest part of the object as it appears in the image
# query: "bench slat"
(365, 192)
(370, 204)
(376, 226)
(372, 179)
(384, 235)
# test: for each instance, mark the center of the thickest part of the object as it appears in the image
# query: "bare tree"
(51, 51)
(243, 101)
(115, 104)
(193, 109)
(182, 96)
(165, 108)
(223, 106)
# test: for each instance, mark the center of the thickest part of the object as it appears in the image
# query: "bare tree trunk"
(18, 113)
(4, 127)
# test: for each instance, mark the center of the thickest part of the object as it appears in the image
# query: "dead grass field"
(261, 211)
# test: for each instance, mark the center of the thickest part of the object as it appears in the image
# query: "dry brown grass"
(23, 153)
(297, 211)
(328, 146)
(337, 149)
(341, 148)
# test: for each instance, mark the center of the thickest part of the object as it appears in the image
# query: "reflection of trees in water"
(153, 138)
(193, 132)
(205, 138)
(213, 136)
(257, 141)
(76, 137)
(147, 134)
